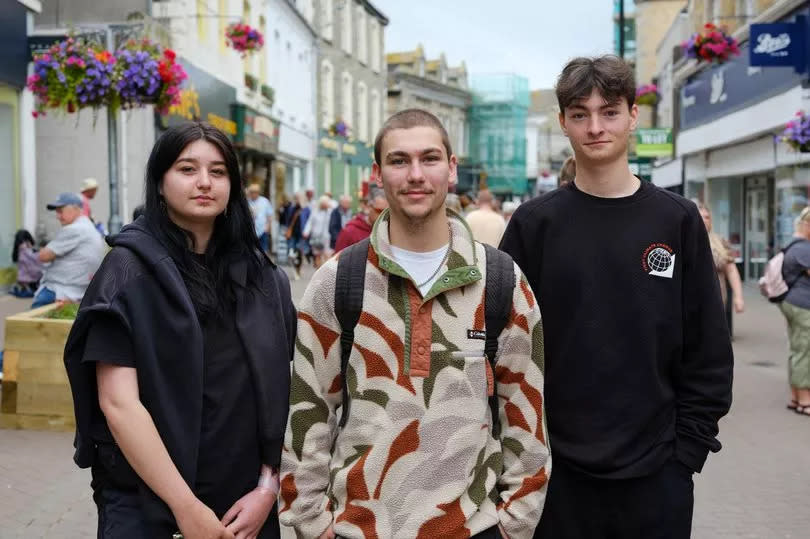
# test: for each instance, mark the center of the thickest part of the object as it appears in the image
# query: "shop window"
(725, 199)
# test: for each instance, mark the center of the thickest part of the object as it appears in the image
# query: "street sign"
(656, 142)
(779, 44)
(641, 167)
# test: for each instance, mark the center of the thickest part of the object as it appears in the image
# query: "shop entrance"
(758, 225)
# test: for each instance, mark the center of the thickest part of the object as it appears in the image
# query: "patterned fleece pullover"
(417, 457)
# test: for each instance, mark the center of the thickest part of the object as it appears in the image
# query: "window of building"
(202, 20)
(362, 35)
(746, 8)
(376, 111)
(347, 100)
(327, 17)
(327, 94)
(374, 44)
(362, 112)
(222, 23)
(345, 26)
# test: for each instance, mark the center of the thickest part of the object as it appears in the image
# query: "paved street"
(757, 487)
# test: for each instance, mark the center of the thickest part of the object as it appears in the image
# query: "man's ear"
(376, 174)
(453, 177)
(561, 118)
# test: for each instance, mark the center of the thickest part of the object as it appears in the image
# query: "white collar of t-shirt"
(420, 265)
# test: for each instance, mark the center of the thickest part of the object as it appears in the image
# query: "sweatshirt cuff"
(691, 453)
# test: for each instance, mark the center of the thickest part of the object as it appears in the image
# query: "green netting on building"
(497, 117)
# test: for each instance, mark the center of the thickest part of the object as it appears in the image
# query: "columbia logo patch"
(476, 334)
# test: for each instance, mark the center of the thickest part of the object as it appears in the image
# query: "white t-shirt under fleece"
(420, 266)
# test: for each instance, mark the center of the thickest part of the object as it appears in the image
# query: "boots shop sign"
(780, 44)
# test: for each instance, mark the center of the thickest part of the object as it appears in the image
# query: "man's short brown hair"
(611, 76)
(406, 119)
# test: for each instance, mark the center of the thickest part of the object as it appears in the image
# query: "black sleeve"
(108, 341)
(703, 378)
(513, 242)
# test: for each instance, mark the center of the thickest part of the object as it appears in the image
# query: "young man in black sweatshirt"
(638, 356)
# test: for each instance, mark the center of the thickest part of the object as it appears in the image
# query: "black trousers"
(658, 506)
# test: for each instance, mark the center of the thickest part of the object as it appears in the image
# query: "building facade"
(498, 119)
(17, 180)
(726, 118)
(414, 82)
(351, 78)
(552, 147)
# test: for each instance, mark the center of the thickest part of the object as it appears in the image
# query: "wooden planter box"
(36, 394)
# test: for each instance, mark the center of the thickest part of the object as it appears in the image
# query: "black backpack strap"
(500, 286)
(349, 284)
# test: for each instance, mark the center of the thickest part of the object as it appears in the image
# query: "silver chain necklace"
(443, 262)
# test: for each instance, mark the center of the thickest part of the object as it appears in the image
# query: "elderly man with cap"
(73, 255)
(88, 190)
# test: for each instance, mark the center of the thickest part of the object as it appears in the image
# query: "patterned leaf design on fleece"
(325, 336)
(448, 525)
(356, 489)
(443, 301)
(538, 351)
(376, 396)
(303, 420)
(394, 342)
(535, 398)
(439, 360)
(477, 490)
(513, 445)
(406, 442)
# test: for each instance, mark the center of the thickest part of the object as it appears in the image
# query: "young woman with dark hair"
(179, 357)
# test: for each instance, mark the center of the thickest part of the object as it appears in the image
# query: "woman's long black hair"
(234, 236)
(21, 237)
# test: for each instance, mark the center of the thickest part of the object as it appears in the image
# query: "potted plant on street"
(711, 45)
(36, 394)
(797, 133)
(647, 94)
(243, 38)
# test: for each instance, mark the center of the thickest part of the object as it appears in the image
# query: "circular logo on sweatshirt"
(658, 260)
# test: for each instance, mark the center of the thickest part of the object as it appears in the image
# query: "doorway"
(758, 225)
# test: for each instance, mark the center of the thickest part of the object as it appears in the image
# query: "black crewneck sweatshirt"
(638, 356)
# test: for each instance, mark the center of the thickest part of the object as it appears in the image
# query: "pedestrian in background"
(568, 171)
(486, 223)
(638, 357)
(359, 228)
(179, 357)
(796, 309)
(316, 231)
(724, 264)
(73, 256)
(262, 211)
(339, 218)
(29, 268)
(296, 244)
(88, 191)
(416, 452)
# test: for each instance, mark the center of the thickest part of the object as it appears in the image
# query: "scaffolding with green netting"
(497, 117)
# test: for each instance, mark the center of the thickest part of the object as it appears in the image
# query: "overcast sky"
(533, 38)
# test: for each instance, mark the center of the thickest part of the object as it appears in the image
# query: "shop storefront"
(731, 161)
(342, 166)
(13, 38)
(256, 141)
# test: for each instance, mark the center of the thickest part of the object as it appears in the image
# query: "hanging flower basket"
(77, 73)
(243, 38)
(71, 75)
(147, 74)
(797, 133)
(339, 128)
(711, 45)
(647, 94)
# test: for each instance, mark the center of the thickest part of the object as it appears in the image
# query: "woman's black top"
(229, 458)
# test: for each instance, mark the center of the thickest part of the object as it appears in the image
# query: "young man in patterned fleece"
(417, 456)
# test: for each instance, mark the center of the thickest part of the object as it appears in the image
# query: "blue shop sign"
(779, 44)
(735, 85)
(13, 44)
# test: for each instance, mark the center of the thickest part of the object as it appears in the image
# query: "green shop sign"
(343, 149)
(656, 142)
(255, 131)
(641, 167)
